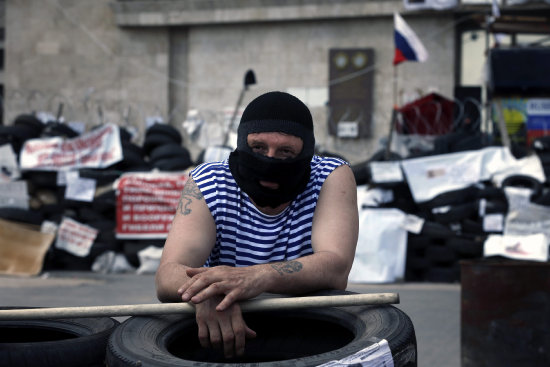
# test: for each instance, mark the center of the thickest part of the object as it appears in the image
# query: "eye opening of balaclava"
(273, 112)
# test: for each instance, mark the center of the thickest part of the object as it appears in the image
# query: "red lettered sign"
(146, 203)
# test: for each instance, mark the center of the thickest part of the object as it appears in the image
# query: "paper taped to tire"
(375, 355)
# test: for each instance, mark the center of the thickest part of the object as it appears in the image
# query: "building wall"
(72, 52)
(93, 54)
(294, 57)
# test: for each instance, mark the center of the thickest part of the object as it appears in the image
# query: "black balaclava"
(273, 112)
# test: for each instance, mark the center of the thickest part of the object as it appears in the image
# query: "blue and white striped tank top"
(244, 235)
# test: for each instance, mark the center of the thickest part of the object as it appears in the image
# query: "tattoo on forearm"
(190, 191)
(287, 267)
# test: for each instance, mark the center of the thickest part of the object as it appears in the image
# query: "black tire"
(164, 129)
(474, 228)
(466, 248)
(53, 128)
(105, 203)
(457, 213)
(173, 164)
(418, 243)
(169, 151)
(125, 134)
(416, 263)
(102, 177)
(453, 197)
(441, 255)
(153, 141)
(55, 343)
(526, 182)
(306, 337)
(436, 230)
(544, 157)
(126, 145)
(22, 215)
(41, 179)
(20, 132)
(361, 172)
(30, 121)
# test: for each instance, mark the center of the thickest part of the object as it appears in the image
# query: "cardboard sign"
(22, 248)
(75, 237)
(98, 148)
(146, 203)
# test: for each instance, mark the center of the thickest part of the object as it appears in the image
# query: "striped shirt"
(244, 235)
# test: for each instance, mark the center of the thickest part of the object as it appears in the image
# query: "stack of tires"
(303, 337)
(454, 226)
(162, 149)
(163, 146)
(24, 127)
(300, 337)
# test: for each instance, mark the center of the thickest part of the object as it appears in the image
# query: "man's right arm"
(188, 244)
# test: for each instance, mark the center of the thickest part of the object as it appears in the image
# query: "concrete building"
(130, 62)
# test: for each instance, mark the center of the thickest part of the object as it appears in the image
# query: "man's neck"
(271, 211)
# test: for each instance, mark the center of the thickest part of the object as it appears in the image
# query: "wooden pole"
(263, 304)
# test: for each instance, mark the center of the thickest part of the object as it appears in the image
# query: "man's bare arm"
(188, 244)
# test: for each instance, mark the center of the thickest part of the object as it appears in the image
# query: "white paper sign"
(434, 175)
(75, 237)
(376, 355)
(80, 189)
(98, 148)
(413, 223)
(533, 247)
(9, 169)
(14, 194)
(386, 172)
(493, 222)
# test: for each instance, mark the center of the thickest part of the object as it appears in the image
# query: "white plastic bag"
(381, 248)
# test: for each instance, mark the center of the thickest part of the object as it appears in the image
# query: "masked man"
(272, 218)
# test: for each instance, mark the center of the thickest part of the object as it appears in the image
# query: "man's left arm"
(334, 238)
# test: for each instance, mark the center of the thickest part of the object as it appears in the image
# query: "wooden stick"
(263, 304)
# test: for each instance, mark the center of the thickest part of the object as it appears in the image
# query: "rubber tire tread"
(87, 349)
(164, 129)
(169, 151)
(173, 164)
(524, 181)
(138, 341)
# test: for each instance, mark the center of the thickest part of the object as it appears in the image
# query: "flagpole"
(395, 98)
(393, 115)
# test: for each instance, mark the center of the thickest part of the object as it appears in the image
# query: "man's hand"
(232, 283)
(222, 329)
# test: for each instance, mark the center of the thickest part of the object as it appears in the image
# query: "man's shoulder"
(210, 168)
(323, 163)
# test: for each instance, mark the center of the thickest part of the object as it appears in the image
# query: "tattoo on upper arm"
(287, 267)
(190, 191)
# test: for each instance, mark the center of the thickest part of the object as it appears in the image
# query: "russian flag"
(407, 45)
